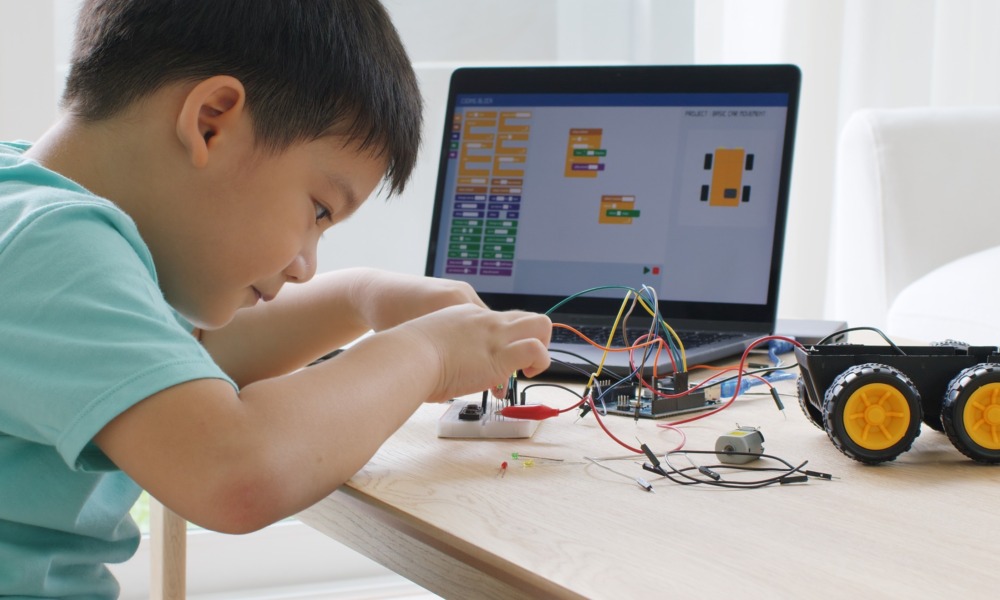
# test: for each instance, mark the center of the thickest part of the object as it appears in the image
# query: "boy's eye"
(322, 212)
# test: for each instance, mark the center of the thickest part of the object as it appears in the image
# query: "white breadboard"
(488, 426)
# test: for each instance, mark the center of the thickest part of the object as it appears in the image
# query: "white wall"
(27, 62)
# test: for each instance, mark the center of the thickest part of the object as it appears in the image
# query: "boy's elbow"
(243, 504)
(239, 511)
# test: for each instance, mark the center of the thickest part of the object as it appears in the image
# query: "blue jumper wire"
(774, 348)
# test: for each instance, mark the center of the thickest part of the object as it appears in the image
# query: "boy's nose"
(302, 268)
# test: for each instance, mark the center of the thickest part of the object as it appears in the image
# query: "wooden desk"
(434, 511)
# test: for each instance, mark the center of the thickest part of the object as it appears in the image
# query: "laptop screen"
(545, 190)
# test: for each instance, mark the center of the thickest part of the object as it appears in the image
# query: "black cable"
(555, 385)
(600, 392)
(874, 329)
(764, 370)
(614, 374)
(713, 477)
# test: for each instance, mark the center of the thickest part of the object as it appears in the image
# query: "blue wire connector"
(727, 388)
(776, 347)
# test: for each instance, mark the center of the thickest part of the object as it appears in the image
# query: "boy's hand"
(385, 299)
(475, 348)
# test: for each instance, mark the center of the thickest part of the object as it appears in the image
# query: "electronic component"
(535, 412)
(711, 476)
(654, 406)
(470, 412)
(638, 480)
(519, 456)
(726, 388)
(947, 387)
(740, 446)
(465, 419)
(488, 425)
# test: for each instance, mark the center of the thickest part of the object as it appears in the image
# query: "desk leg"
(168, 539)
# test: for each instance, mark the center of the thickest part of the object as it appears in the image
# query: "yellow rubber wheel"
(982, 416)
(876, 416)
(970, 412)
(872, 412)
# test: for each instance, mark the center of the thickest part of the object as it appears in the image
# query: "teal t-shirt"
(85, 333)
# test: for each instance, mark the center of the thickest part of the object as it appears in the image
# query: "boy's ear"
(211, 109)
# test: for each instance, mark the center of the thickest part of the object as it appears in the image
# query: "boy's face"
(253, 222)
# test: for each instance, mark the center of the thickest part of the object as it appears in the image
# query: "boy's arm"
(237, 462)
(309, 320)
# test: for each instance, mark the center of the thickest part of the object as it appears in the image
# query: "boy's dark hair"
(307, 66)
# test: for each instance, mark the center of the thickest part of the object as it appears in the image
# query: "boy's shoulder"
(26, 182)
(34, 197)
(13, 149)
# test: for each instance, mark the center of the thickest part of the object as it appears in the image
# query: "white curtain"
(853, 54)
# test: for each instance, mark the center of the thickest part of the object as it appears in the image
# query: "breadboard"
(489, 426)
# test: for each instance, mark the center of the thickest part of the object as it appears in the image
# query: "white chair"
(915, 231)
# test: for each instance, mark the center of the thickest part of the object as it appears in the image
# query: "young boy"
(144, 240)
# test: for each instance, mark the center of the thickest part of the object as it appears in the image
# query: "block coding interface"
(555, 193)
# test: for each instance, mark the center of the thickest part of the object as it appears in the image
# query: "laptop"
(671, 180)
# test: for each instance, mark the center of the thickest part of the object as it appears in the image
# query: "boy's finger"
(528, 355)
(530, 325)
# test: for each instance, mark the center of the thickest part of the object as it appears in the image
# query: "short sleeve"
(87, 332)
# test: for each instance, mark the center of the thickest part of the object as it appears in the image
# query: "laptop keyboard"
(690, 339)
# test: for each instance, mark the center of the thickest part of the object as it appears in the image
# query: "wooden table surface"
(434, 510)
